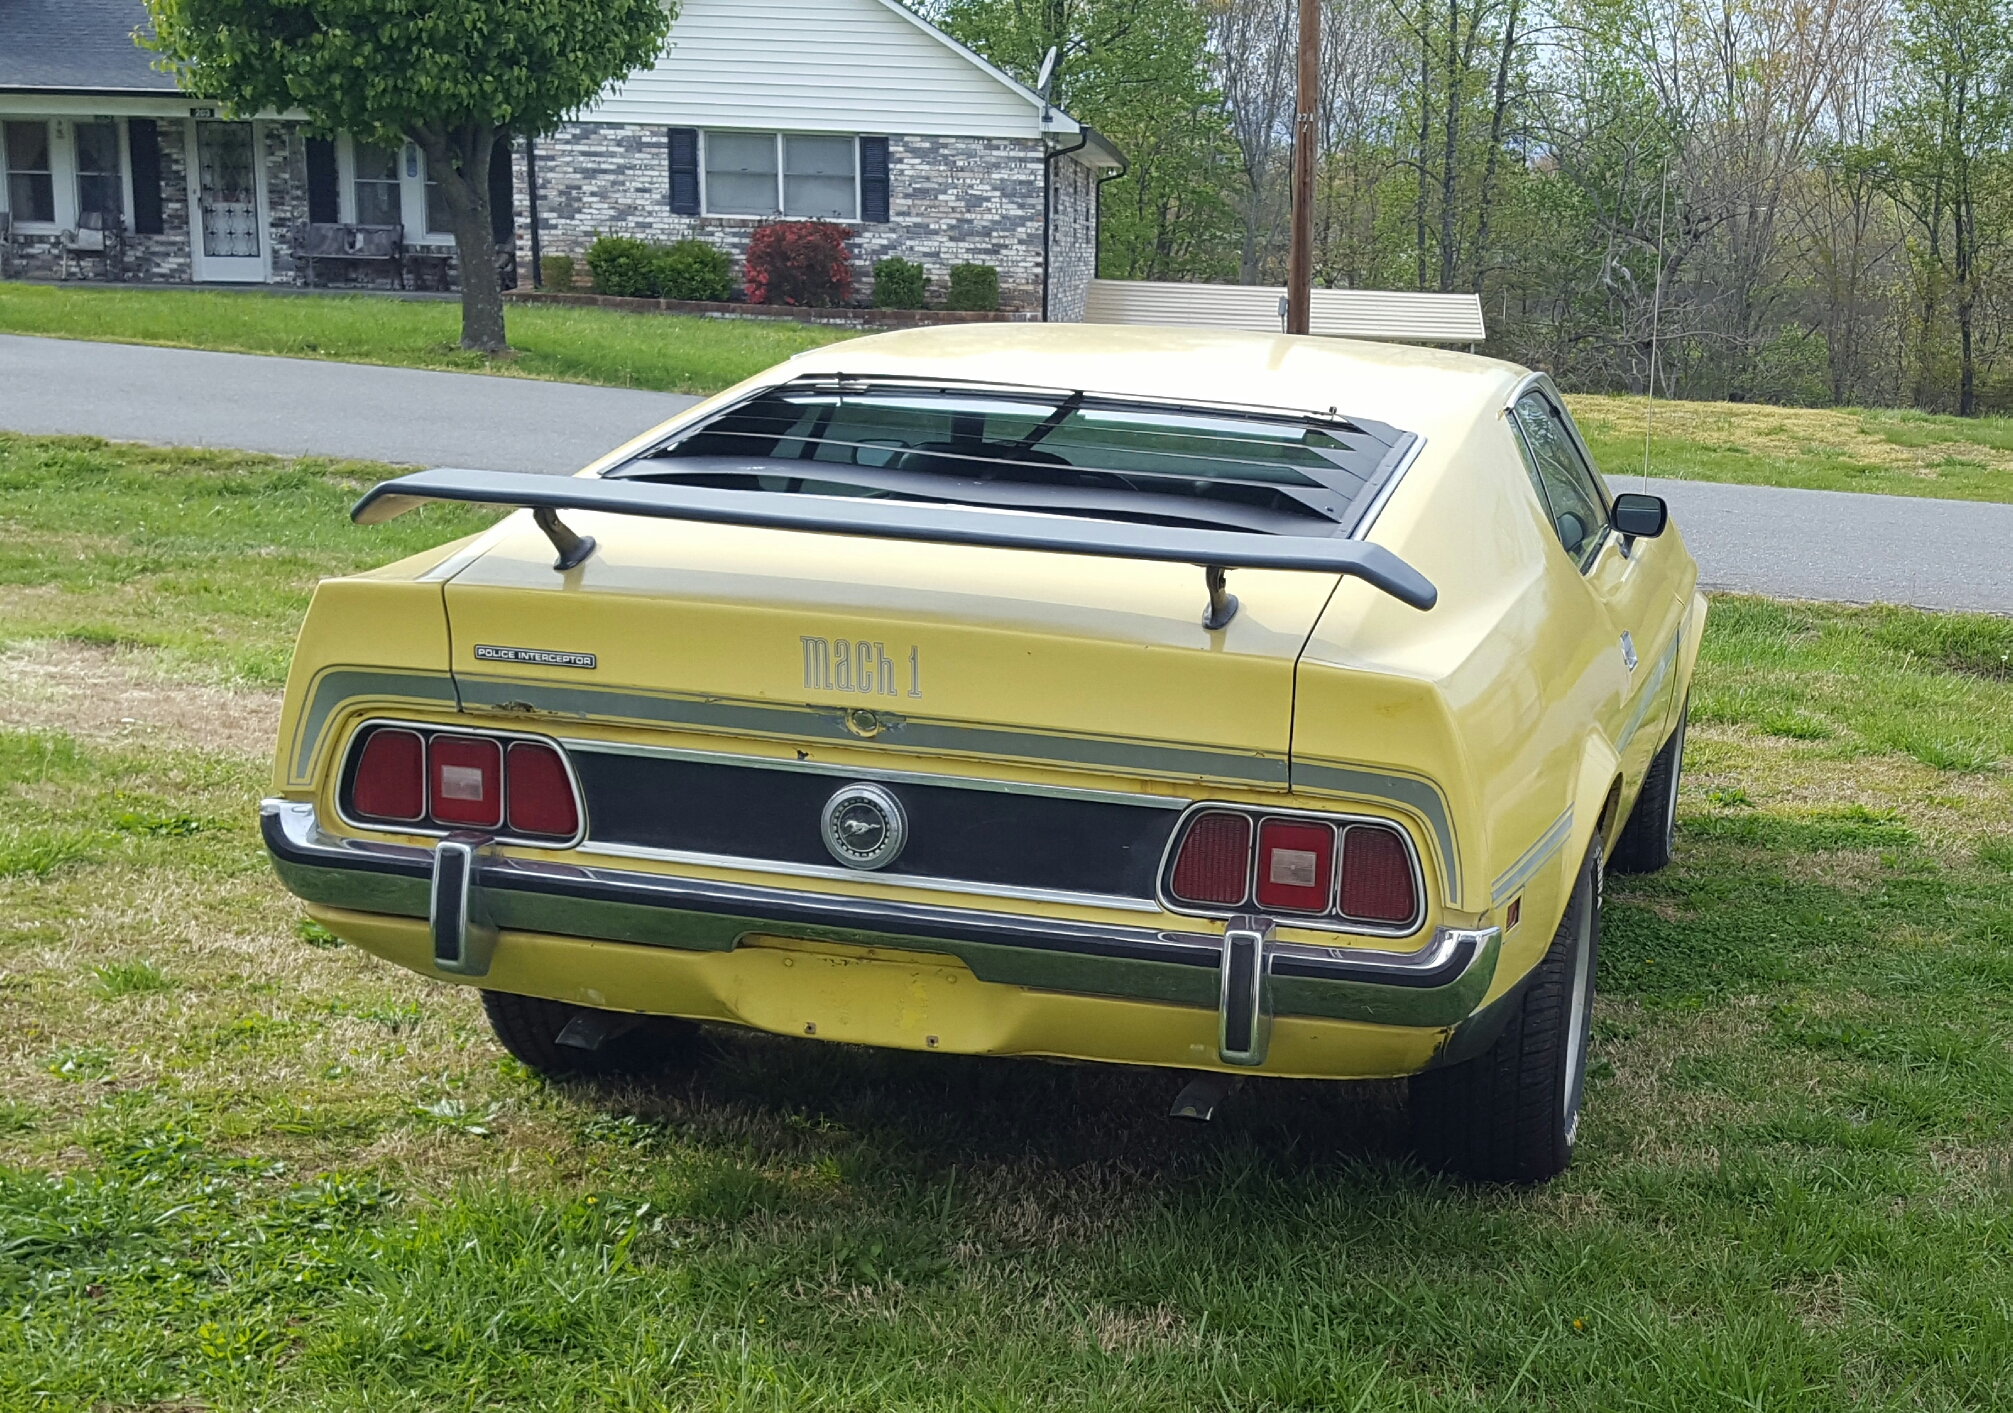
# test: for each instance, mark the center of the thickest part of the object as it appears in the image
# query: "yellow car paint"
(1504, 729)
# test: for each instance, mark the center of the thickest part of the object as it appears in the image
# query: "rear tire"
(1512, 1113)
(1651, 833)
(529, 1028)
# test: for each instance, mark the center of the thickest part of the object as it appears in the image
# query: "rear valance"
(1213, 550)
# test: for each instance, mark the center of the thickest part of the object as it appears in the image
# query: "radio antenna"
(1656, 311)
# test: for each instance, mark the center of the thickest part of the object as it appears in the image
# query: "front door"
(229, 232)
(1633, 583)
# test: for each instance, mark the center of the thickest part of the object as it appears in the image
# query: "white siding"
(1397, 315)
(847, 66)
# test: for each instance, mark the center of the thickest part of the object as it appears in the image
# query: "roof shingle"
(78, 45)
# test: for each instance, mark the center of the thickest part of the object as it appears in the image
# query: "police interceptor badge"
(535, 657)
(864, 826)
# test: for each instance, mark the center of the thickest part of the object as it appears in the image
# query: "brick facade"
(951, 201)
(1072, 255)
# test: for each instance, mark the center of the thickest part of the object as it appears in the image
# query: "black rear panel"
(977, 836)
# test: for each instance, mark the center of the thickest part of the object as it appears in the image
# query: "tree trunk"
(459, 162)
(1965, 222)
(1425, 137)
(1497, 115)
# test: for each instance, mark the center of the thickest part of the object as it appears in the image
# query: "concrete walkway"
(180, 397)
(1834, 545)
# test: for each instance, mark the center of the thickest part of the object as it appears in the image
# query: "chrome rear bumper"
(471, 892)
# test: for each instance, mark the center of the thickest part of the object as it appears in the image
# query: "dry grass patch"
(120, 696)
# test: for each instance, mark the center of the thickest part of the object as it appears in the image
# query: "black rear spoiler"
(1213, 550)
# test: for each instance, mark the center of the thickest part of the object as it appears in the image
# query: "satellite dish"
(1047, 73)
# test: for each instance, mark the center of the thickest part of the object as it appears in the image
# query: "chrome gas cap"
(865, 826)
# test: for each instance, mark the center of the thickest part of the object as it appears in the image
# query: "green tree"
(454, 77)
(1138, 72)
(1943, 157)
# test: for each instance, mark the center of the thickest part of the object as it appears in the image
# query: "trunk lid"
(1040, 660)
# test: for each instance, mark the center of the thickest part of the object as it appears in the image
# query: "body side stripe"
(1141, 757)
(1646, 698)
(1533, 859)
(333, 686)
(1418, 796)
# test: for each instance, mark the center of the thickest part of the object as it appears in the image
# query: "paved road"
(1845, 546)
(180, 397)
(1797, 544)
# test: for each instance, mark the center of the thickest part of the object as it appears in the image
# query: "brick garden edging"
(708, 309)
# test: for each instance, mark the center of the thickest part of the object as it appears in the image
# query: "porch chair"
(6, 242)
(97, 237)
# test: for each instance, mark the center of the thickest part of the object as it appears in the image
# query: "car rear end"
(974, 797)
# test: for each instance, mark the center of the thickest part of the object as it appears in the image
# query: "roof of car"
(76, 46)
(1423, 390)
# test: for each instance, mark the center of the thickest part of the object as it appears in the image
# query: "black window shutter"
(874, 179)
(324, 208)
(143, 135)
(684, 171)
(502, 193)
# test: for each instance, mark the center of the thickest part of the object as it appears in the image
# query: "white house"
(854, 111)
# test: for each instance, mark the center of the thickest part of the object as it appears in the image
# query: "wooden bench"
(346, 241)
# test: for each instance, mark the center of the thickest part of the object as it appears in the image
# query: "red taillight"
(465, 776)
(1215, 860)
(390, 781)
(1376, 876)
(1296, 865)
(541, 794)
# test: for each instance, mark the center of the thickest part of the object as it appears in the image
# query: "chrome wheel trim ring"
(1670, 795)
(1579, 1018)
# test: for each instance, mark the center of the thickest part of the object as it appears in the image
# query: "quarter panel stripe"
(1532, 859)
(335, 686)
(1417, 796)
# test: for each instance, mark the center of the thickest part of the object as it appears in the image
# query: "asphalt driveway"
(1832, 545)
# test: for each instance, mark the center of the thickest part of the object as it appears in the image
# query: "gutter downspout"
(531, 185)
(1097, 214)
(1048, 207)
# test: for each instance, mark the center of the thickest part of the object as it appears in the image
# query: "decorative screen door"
(228, 243)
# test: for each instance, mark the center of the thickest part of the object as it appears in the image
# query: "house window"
(377, 202)
(98, 186)
(818, 178)
(766, 174)
(31, 184)
(436, 207)
(741, 174)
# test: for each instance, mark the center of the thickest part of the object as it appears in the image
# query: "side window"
(1578, 510)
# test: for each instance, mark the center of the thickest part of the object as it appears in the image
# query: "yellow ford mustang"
(1216, 701)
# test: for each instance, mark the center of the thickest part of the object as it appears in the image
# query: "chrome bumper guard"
(469, 891)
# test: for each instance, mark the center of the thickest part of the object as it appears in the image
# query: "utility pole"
(1300, 253)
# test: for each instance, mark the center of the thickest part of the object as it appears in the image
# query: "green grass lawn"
(243, 1167)
(1897, 453)
(1824, 449)
(661, 352)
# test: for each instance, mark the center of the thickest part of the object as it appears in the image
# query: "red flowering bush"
(799, 262)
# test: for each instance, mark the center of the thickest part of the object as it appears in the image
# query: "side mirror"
(1639, 516)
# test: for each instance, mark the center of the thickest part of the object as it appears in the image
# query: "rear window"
(1088, 454)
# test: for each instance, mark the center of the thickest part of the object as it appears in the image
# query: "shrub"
(974, 287)
(801, 263)
(898, 284)
(692, 269)
(556, 272)
(622, 266)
